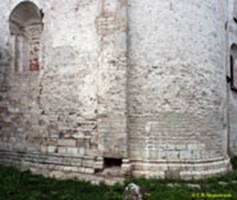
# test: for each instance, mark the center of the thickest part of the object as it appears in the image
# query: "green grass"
(16, 185)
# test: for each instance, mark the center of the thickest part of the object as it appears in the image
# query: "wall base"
(91, 169)
(185, 170)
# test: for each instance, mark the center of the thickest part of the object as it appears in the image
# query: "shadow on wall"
(5, 59)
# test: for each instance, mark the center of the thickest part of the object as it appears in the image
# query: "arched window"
(233, 67)
(26, 27)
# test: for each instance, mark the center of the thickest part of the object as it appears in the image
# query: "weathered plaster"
(143, 82)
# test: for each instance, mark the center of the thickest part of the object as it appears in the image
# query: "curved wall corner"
(177, 88)
(232, 94)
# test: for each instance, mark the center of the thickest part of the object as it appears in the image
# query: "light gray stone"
(132, 192)
(138, 82)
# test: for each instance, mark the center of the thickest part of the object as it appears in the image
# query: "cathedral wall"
(232, 95)
(176, 86)
(141, 85)
(49, 116)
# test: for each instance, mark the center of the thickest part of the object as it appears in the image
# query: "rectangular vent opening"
(112, 162)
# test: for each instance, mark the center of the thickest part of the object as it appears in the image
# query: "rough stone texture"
(177, 87)
(139, 83)
(232, 95)
(112, 80)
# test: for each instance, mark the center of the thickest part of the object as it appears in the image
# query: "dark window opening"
(233, 68)
(112, 162)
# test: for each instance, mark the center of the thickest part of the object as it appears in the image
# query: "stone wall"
(232, 95)
(177, 87)
(53, 111)
(136, 85)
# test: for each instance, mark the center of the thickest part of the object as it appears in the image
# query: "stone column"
(112, 78)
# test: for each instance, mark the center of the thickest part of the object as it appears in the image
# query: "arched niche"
(26, 26)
